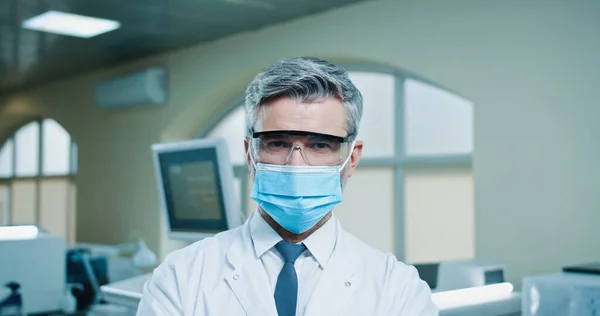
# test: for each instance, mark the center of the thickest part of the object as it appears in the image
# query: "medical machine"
(33, 267)
(564, 293)
(470, 287)
(196, 188)
(460, 274)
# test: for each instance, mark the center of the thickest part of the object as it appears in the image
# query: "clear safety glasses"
(277, 147)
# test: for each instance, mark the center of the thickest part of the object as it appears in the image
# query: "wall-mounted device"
(144, 88)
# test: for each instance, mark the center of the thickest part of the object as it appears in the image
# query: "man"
(292, 256)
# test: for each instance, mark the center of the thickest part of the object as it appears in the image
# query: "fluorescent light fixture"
(472, 295)
(18, 232)
(69, 24)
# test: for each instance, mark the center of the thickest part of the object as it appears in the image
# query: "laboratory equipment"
(564, 293)
(124, 260)
(588, 268)
(490, 300)
(144, 258)
(35, 260)
(94, 265)
(12, 304)
(460, 274)
(69, 303)
(196, 188)
(470, 287)
(88, 273)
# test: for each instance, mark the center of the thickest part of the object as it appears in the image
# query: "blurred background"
(480, 117)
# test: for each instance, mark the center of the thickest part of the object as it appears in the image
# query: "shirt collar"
(320, 243)
(263, 236)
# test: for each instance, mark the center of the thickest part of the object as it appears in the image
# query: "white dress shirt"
(309, 264)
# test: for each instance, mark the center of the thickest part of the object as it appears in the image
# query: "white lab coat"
(221, 276)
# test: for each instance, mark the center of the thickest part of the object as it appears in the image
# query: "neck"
(288, 236)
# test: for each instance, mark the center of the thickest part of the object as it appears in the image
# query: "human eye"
(276, 144)
(321, 146)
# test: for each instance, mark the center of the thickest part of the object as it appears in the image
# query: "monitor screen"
(196, 184)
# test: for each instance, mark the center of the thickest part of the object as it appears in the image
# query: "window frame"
(399, 162)
(39, 177)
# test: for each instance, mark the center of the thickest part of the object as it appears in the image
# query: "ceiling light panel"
(70, 24)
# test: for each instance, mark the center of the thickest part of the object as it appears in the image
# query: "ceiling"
(29, 58)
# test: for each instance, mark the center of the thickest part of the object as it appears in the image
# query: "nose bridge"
(296, 156)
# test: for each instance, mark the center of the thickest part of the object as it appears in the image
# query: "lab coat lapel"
(247, 278)
(337, 282)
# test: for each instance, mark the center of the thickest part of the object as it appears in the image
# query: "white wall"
(530, 67)
(367, 208)
(439, 214)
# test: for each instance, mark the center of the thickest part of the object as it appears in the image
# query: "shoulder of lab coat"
(164, 292)
(404, 291)
(401, 290)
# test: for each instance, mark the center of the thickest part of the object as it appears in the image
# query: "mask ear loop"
(349, 155)
(249, 153)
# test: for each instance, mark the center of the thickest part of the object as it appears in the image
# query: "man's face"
(324, 117)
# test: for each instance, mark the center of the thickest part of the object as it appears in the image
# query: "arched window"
(37, 167)
(412, 193)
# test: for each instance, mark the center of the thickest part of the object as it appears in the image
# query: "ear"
(246, 147)
(248, 159)
(355, 157)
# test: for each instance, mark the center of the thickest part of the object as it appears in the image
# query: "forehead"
(323, 116)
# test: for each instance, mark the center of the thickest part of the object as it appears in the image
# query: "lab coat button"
(348, 284)
(236, 276)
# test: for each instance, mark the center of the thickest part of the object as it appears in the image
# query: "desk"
(127, 292)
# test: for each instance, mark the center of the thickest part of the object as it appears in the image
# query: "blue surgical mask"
(297, 197)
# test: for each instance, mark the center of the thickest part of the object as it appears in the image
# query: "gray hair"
(306, 79)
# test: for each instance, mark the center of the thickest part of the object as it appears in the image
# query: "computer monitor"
(196, 187)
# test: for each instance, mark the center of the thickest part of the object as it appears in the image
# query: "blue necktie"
(286, 289)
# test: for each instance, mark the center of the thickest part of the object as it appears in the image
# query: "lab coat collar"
(249, 281)
(247, 278)
(338, 277)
